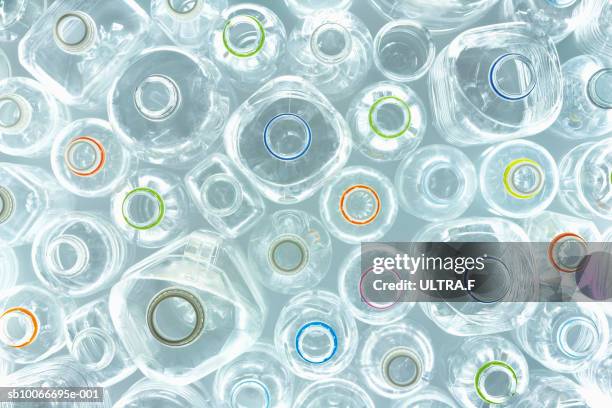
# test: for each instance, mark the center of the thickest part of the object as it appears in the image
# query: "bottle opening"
(93, 348)
(316, 342)
(243, 36)
(74, 31)
(360, 204)
(18, 327)
(84, 156)
(67, 255)
(331, 43)
(524, 178)
(492, 283)
(512, 77)
(401, 368)
(143, 208)
(390, 117)
(157, 97)
(185, 8)
(250, 394)
(496, 382)
(7, 204)
(578, 337)
(567, 252)
(287, 136)
(221, 194)
(175, 317)
(15, 114)
(599, 88)
(442, 183)
(288, 254)
(378, 299)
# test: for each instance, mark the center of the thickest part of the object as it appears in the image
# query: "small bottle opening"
(492, 283)
(93, 348)
(67, 255)
(496, 382)
(15, 114)
(360, 205)
(512, 77)
(331, 43)
(524, 178)
(143, 208)
(379, 299)
(18, 327)
(567, 252)
(250, 393)
(578, 337)
(288, 254)
(390, 117)
(442, 183)
(184, 8)
(221, 194)
(7, 204)
(401, 368)
(74, 32)
(85, 156)
(316, 342)
(599, 88)
(157, 97)
(243, 36)
(287, 136)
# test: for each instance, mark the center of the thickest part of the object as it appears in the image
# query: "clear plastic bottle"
(518, 178)
(9, 268)
(188, 309)
(552, 390)
(76, 46)
(288, 139)
(315, 336)
(487, 371)
(225, 197)
(548, 226)
(169, 106)
(358, 205)
(152, 393)
(397, 360)
(334, 392)
(436, 183)
(333, 50)
(587, 98)
(88, 160)
(30, 117)
(428, 397)
(596, 377)
(92, 341)
(565, 337)
(291, 253)
(18, 16)
(303, 8)
(31, 324)
(152, 208)
(27, 196)
(586, 181)
(496, 83)
(388, 121)
(594, 33)
(78, 254)
(5, 66)
(247, 43)
(257, 378)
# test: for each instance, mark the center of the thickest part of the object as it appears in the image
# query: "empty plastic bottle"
(92, 341)
(388, 121)
(334, 392)
(152, 208)
(288, 139)
(518, 178)
(302, 8)
(594, 35)
(78, 254)
(225, 197)
(315, 336)
(496, 83)
(30, 117)
(169, 106)
(552, 390)
(333, 50)
(397, 359)
(291, 253)
(436, 183)
(247, 43)
(88, 159)
(586, 180)
(486, 371)
(5, 66)
(18, 16)
(428, 397)
(76, 46)
(188, 309)
(596, 377)
(151, 393)
(549, 226)
(257, 378)
(358, 205)
(9, 268)
(27, 196)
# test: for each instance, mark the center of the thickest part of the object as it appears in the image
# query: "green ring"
(160, 203)
(246, 54)
(507, 186)
(483, 368)
(376, 129)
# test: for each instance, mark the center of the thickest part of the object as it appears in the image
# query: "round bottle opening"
(401, 368)
(84, 156)
(492, 283)
(288, 254)
(67, 255)
(578, 337)
(175, 317)
(250, 394)
(360, 204)
(157, 97)
(243, 36)
(15, 113)
(185, 8)
(316, 342)
(18, 327)
(512, 77)
(379, 299)
(221, 194)
(442, 183)
(143, 208)
(331, 43)
(7, 204)
(389, 117)
(567, 251)
(287, 136)
(496, 382)
(599, 88)
(524, 178)
(74, 31)
(93, 348)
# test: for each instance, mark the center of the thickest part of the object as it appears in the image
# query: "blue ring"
(259, 383)
(325, 326)
(492, 83)
(300, 154)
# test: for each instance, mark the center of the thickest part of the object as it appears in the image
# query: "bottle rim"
(321, 327)
(81, 44)
(394, 101)
(7, 204)
(499, 90)
(237, 50)
(307, 132)
(33, 331)
(488, 368)
(401, 353)
(346, 194)
(297, 242)
(519, 164)
(153, 196)
(92, 168)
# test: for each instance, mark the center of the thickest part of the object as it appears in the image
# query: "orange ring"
(350, 190)
(551, 246)
(102, 157)
(32, 316)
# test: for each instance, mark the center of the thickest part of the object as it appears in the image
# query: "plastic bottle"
(188, 309)
(334, 392)
(593, 35)
(30, 117)
(9, 268)
(436, 183)
(388, 121)
(5, 66)
(291, 253)
(428, 397)
(18, 16)
(596, 377)
(552, 390)
(496, 83)
(303, 8)
(288, 139)
(151, 393)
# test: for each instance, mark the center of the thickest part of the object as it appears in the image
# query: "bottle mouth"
(74, 32)
(316, 342)
(360, 204)
(401, 368)
(331, 43)
(442, 183)
(175, 317)
(512, 77)
(143, 208)
(376, 299)
(390, 117)
(287, 136)
(185, 8)
(288, 254)
(93, 348)
(67, 255)
(244, 36)
(15, 114)
(250, 393)
(524, 178)
(18, 327)
(7, 204)
(221, 194)
(84, 156)
(493, 283)
(496, 382)
(567, 252)
(578, 337)
(157, 97)
(599, 88)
